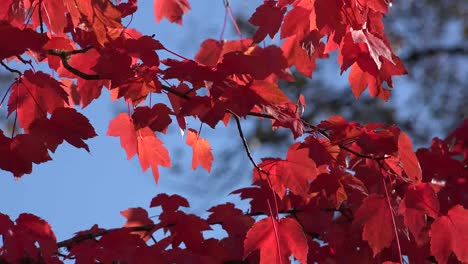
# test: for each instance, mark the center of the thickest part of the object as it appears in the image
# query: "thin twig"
(393, 220)
(40, 16)
(8, 68)
(64, 55)
(244, 142)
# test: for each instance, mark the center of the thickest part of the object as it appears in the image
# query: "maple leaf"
(268, 17)
(201, 149)
(296, 22)
(209, 52)
(64, 124)
(122, 126)
(138, 217)
(151, 152)
(420, 201)
(408, 158)
(294, 173)
(449, 234)
(287, 234)
(186, 228)
(377, 47)
(20, 152)
(232, 219)
(34, 95)
(269, 92)
(169, 203)
(19, 40)
(157, 117)
(376, 217)
(172, 10)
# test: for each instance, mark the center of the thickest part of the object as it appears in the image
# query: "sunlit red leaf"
(122, 126)
(138, 217)
(172, 10)
(408, 158)
(201, 148)
(35, 95)
(268, 17)
(289, 236)
(151, 152)
(375, 215)
(449, 234)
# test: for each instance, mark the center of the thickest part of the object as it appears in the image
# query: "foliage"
(345, 192)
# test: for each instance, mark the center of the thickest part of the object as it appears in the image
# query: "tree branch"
(39, 11)
(10, 69)
(64, 55)
(92, 235)
(244, 141)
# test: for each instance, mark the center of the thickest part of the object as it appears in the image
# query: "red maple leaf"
(408, 158)
(64, 124)
(20, 152)
(169, 203)
(277, 240)
(449, 234)
(294, 173)
(151, 152)
(122, 126)
(268, 17)
(201, 150)
(19, 40)
(138, 217)
(34, 95)
(376, 218)
(420, 201)
(172, 10)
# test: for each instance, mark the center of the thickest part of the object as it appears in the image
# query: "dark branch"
(244, 141)
(431, 52)
(10, 69)
(40, 16)
(64, 55)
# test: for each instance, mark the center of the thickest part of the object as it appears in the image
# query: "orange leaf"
(151, 152)
(202, 154)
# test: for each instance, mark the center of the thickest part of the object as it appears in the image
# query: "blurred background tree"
(431, 38)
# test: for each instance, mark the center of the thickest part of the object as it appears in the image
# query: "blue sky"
(78, 189)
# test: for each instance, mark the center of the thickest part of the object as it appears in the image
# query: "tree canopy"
(342, 192)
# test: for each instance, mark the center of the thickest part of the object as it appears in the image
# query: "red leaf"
(420, 201)
(35, 95)
(201, 150)
(138, 217)
(157, 118)
(169, 203)
(450, 234)
(233, 220)
(209, 52)
(294, 173)
(64, 124)
(268, 17)
(122, 126)
(291, 239)
(151, 152)
(172, 10)
(408, 158)
(269, 92)
(375, 215)
(19, 40)
(377, 47)
(19, 153)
